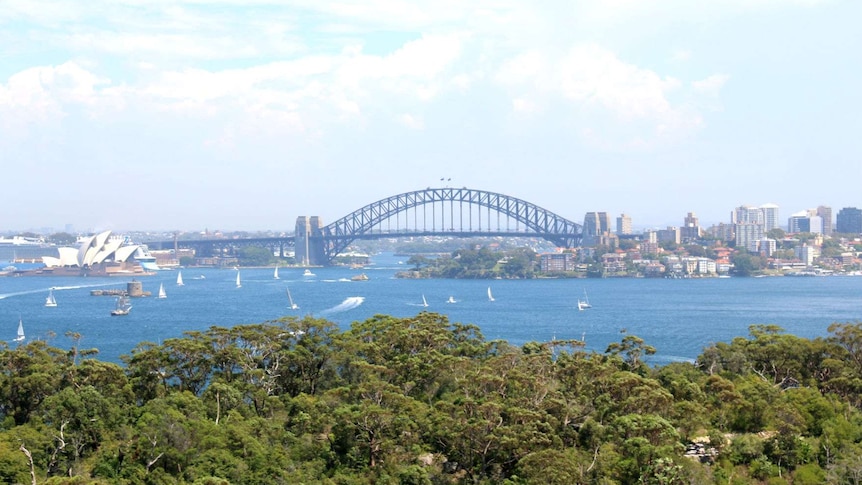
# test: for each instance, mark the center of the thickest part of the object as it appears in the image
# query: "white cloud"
(41, 92)
(411, 122)
(711, 85)
(620, 98)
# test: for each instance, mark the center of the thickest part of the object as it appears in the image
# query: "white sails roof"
(93, 250)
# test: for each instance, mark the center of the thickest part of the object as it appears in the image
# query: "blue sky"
(243, 114)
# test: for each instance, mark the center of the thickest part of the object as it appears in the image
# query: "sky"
(244, 114)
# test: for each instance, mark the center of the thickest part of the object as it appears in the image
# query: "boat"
(179, 278)
(424, 302)
(275, 273)
(450, 300)
(585, 303)
(50, 301)
(359, 277)
(123, 307)
(238, 284)
(145, 259)
(307, 272)
(20, 336)
(162, 294)
(293, 306)
(490, 296)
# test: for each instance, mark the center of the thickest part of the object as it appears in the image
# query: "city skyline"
(244, 115)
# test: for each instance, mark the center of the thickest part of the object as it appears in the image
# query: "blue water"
(678, 317)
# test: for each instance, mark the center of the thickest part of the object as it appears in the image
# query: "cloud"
(39, 93)
(711, 85)
(411, 122)
(613, 95)
(681, 55)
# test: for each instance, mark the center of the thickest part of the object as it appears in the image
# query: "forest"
(421, 400)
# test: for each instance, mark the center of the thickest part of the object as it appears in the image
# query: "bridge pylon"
(309, 243)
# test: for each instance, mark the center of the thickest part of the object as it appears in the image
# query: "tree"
(418, 261)
(745, 263)
(633, 349)
(255, 256)
(62, 239)
(776, 233)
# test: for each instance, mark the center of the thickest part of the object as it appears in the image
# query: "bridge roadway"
(315, 244)
(212, 247)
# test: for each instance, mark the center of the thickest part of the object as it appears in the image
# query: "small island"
(481, 263)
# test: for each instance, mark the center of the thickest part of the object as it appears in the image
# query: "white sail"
(179, 278)
(293, 306)
(586, 301)
(275, 274)
(123, 307)
(50, 301)
(20, 335)
(162, 293)
(424, 302)
(490, 296)
(238, 284)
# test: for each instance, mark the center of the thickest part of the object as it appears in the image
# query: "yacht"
(50, 301)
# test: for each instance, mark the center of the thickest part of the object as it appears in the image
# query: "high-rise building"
(624, 224)
(798, 222)
(691, 228)
(671, 234)
(849, 221)
(748, 234)
(825, 214)
(746, 213)
(770, 217)
(805, 221)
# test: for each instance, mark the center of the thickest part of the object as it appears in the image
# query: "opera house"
(97, 255)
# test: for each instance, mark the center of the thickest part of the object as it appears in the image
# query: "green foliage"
(745, 263)
(255, 256)
(483, 263)
(420, 400)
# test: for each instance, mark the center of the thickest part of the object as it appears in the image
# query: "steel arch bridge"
(464, 217)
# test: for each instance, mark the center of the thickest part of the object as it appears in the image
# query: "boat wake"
(348, 304)
(56, 288)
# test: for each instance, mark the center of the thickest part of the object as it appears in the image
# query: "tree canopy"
(424, 400)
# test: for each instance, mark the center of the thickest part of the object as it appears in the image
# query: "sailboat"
(585, 303)
(490, 296)
(162, 294)
(50, 301)
(238, 284)
(275, 274)
(179, 278)
(451, 299)
(424, 302)
(293, 306)
(20, 336)
(123, 307)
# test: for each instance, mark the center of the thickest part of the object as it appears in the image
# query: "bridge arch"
(537, 221)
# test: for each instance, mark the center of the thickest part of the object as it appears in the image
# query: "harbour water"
(678, 317)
